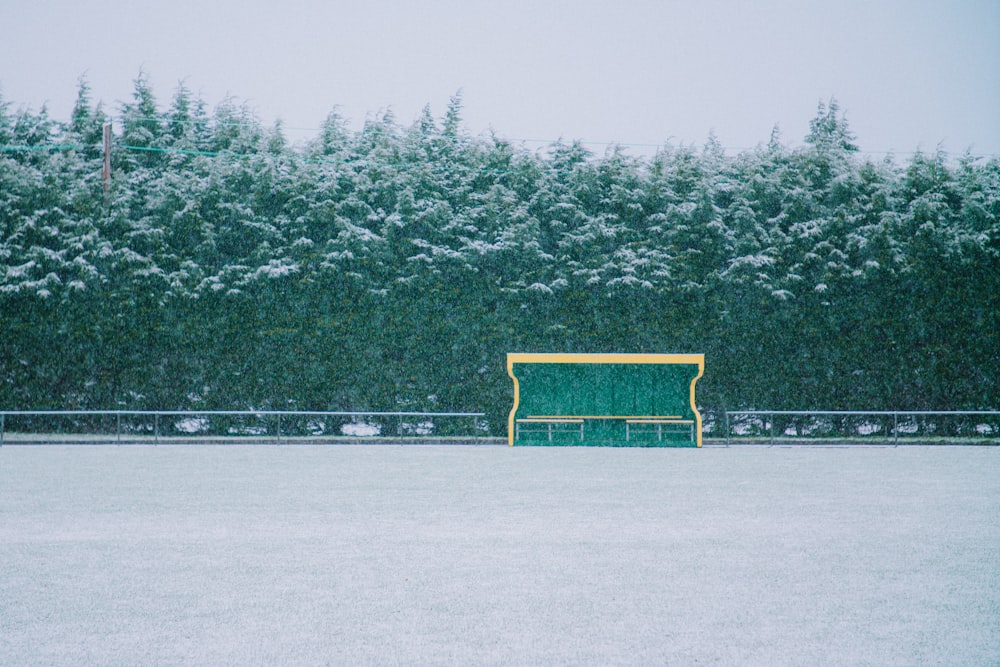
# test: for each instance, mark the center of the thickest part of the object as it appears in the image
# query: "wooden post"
(107, 158)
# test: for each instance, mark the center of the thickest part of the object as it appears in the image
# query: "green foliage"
(393, 268)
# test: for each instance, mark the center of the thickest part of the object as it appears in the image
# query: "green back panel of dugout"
(594, 399)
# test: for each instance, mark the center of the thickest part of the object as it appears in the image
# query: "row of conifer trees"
(393, 267)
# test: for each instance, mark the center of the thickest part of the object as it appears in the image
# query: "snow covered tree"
(392, 268)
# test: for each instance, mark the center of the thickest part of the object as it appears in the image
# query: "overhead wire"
(298, 156)
(519, 140)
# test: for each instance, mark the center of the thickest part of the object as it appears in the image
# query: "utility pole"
(107, 159)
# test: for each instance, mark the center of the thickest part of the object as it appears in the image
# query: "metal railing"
(860, 425)
(278, 426)
(156, 426)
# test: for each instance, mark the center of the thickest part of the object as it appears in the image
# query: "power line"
(518, 140)
(20, 148)
(180, 151)
(402, 166)
(16, 148)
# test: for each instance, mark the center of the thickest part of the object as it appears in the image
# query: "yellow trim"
(694, 408)
(551, 420)
(601, 358)
(549, 417)
(517, 400)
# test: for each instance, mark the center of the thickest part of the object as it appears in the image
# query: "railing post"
(279, 428)
(895, 429)
(118, 427)
(771, 424)
(2, 417)
(156, 428)
(727, 427)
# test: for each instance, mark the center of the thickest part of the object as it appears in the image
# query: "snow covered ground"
(494, 555)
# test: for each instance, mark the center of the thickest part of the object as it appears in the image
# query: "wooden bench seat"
(556, 425)
(551, 426)
(659, 423)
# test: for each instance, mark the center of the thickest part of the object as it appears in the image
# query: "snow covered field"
(493, 555)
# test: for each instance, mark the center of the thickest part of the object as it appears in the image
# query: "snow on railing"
(733, 427)
(859, 425)
(155, 426)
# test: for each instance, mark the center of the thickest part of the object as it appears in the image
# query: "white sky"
(909, 74)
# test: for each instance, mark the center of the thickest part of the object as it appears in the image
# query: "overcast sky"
(909, 74)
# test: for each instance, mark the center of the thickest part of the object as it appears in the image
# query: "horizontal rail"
(860, 413)
(727, 417)
(243, 413)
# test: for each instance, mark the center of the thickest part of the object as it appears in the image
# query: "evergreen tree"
(393, 268)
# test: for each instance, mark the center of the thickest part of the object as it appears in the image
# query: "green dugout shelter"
(623, 400)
